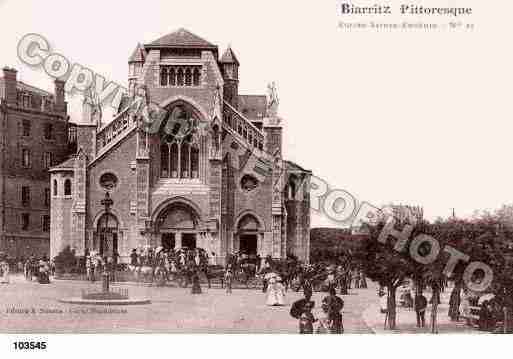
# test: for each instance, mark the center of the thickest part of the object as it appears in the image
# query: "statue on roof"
(272, 100)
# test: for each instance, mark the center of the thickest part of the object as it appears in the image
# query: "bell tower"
(230, 67)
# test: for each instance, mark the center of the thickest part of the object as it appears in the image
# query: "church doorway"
(248, 236)
(107, 231)
(248, 244)
(189, 240)
(168, 241)
(178, 226)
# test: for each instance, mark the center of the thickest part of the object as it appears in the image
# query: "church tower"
(230, 67)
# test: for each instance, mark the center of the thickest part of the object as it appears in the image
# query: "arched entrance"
(107, 236)
(248, 235)
(178, 227)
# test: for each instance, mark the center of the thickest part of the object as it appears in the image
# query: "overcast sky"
(414, 117)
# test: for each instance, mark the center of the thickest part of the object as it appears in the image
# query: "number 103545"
(29, 345)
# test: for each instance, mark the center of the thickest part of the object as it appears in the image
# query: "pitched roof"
(20, 85)
(138, 55)
(66, 165)
(180, 39)
(253, 107)
(229, 57)
(291, 166)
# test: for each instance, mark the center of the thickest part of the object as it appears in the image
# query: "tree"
(385, 266)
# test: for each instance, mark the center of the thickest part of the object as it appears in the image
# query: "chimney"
(11, 95)
(60, 101)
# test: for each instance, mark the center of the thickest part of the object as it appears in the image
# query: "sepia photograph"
(191, 167)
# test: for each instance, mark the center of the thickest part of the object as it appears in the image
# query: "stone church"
(207, 173)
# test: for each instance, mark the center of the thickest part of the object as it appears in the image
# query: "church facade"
(200, 166)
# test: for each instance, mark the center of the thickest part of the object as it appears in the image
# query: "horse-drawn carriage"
(163, 267)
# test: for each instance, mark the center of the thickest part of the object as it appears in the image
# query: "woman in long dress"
(44, 271)
(4, 269)
(275, 290)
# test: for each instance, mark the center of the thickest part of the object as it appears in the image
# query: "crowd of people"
(32, 268)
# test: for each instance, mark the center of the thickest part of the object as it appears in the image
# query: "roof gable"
(181, 38)
(138, 55)
(229, 57)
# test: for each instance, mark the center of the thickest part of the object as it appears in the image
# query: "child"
(306, 320)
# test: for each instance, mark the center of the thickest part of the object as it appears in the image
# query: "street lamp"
(107, 202)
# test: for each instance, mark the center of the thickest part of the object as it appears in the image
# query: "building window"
(48, 131)
(179, 159)
(45, 223)
(172, 77)
(26, 128)
(25, 196)
(47, 197)
(163, 76)
(179, 156)
(47, 160)
(67, 187)
(248, 183)
(55, 192)
(196, 76)
(25, 221)
(109, 181)
(180, 75)
(188, 77)
(46, 104)
(24, 99)
(25, 158)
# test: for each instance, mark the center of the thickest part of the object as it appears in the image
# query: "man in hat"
(300, 306)
(420, 309)
(333, 305)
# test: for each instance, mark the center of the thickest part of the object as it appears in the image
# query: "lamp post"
(107, 202)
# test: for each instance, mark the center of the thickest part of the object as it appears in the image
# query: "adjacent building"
(210, 174)
(33, 138)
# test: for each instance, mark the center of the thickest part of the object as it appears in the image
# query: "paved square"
(30, 307)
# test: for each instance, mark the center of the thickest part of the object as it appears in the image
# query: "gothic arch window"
(164, 160)
(180, 75)
(216, 138)
(179, 156)
(292, 187)
(55, 188)
(180, 78)
(67, 187)
(194, 161)
(196, 76)
(174, 149)
(172, 77)
(185, 152)
(163, 77)
(188, 77)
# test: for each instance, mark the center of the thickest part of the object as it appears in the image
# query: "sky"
(413, 117)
